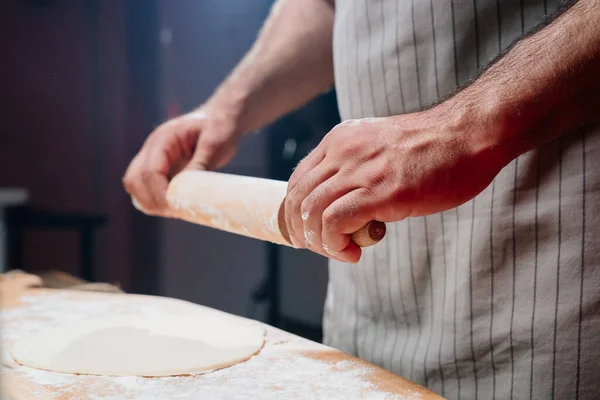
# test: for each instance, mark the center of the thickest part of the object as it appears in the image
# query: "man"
(476, 120)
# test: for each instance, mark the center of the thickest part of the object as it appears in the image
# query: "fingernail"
(304, 215)
(308, 235)
(136, 204)
(330, 252)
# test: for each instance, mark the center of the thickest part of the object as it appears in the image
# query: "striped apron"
(498, 298)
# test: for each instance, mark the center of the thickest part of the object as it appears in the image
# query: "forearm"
(290, 63)
(546, 85)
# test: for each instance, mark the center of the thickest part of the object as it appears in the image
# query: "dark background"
(82, 83)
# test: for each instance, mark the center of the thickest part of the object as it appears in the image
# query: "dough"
(158, 345)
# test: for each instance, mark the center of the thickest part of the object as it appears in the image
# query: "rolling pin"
(243, 205)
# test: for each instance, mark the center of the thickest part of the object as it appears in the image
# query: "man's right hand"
(201, 139)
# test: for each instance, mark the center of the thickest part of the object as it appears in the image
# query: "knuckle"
(375, 179)
(170, 125)
(345, 149)
(349, 122)
(295, 174)
(287, 207)
(295, 207)
(146, 177)
(293, 200)
(128, 184)
(127, 180)
(151, 206)
(162, 130)
(349, 149)
(338, 131)
(307, 207)
(332, 216)
(292, 182)
(364, 194)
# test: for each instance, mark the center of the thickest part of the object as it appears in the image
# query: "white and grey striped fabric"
(499, 298)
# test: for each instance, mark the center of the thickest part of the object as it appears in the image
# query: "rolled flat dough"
(158, 345)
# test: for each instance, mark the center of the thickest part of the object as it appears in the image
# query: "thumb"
(212, 153)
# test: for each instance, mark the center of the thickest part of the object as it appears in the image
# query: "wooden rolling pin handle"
(368, 235)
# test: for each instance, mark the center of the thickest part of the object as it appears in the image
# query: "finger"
(151, 202)
(163, 154)
(150, 192)
(211, 153)
(328, 255)
(155, 171)
(171, 147)
(129, 173)
(309, 162)
(294, 199)
(146, 183)
(186, 143)
(140, 198)
(345, 216)
(316, 203)
(215, 146)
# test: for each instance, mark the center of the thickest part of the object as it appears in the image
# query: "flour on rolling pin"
(279, 371)
(244, 205)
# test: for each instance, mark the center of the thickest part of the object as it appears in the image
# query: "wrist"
(231, 105)
(483, 129)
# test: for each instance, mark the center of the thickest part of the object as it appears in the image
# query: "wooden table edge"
(19, 285)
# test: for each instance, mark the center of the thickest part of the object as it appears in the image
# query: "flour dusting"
(283, 369)
(262, 377)
(239, 204)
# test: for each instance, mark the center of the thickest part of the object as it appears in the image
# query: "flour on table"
(157, 345)
(283, 369)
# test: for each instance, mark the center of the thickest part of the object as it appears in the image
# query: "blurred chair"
(9, 197)
(20, 219)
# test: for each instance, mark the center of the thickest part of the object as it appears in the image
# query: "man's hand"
(385, 169)
(199, 140)
(290, 63)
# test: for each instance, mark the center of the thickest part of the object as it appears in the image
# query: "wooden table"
(288, 367)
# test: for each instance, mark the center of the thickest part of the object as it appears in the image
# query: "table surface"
(287, 367)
